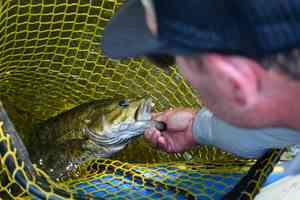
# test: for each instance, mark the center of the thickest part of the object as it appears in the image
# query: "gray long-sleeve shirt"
(251, 143)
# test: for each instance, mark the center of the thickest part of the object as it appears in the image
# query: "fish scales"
(92, 130)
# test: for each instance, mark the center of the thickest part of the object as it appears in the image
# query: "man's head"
(240, 57)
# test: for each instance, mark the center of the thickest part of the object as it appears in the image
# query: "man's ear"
(241, 78)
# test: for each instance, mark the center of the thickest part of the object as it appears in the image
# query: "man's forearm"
(252, 143)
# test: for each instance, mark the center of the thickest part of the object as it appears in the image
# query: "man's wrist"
(201, 127)
(191, 138)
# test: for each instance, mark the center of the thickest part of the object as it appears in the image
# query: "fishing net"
(51, 61)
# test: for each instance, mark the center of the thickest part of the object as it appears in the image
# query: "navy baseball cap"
(253, 28)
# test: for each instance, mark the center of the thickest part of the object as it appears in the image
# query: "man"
(241, 56)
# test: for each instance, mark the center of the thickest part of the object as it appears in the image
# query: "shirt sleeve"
(250, 143)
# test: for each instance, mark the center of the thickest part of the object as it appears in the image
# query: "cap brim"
(127, 34)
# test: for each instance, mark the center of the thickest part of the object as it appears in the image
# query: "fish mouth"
(144, 110)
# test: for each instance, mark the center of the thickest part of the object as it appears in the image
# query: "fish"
(97, 129)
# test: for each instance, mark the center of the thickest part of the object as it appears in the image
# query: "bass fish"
(89, 131)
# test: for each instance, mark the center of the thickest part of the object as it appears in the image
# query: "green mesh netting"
(50, 62)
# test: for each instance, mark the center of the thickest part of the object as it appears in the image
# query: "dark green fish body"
(93, 130)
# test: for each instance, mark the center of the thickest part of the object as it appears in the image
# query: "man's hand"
(178, 137)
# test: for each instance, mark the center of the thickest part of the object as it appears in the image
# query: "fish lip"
(144, 110)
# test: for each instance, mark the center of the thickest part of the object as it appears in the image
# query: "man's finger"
(152, 135)
(162, 143)
(162, 116)
(148, 133)
(155, 137)
(155, 115)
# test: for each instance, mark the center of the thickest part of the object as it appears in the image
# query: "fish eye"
(124, 103)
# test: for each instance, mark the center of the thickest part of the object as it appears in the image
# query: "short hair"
(287, 62)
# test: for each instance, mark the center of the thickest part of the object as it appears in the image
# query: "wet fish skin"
(96, 129)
